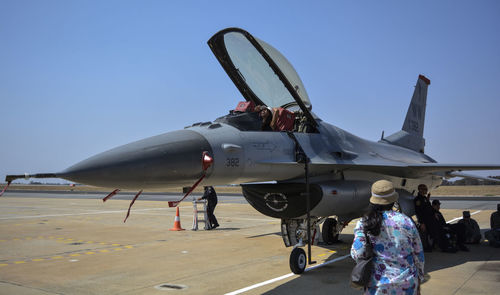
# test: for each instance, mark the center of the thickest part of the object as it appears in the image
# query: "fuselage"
(173, 159)
(247, 156)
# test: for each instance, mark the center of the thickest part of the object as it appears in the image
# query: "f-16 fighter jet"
(290, 163)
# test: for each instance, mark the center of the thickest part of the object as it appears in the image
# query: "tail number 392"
(232, 162)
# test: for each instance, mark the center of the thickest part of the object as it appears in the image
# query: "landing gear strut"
(298, 256)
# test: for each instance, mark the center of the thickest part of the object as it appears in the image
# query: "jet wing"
(406, 170)
(420, 170)
(436, 167)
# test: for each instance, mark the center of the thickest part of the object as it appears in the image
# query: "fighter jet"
(290, 163)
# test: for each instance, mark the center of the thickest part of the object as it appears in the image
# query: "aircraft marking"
(232, 162)
(58, 257)
(61, 240)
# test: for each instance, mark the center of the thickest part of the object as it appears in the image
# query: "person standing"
(211, 196)
(398, 254)
(472, 231)
(428, 222)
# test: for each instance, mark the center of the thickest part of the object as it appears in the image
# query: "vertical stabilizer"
(415, 117)
(411, 136)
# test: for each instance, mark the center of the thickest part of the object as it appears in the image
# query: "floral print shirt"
(398, 255)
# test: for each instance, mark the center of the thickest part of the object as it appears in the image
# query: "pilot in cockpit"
(266, 114)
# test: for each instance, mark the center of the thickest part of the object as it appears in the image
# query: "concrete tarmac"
(81, 246)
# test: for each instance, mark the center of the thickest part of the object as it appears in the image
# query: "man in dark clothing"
(472, 231)
(211, 198)
(428, 222)
(456, 230)
(495, 218)
(493, 235)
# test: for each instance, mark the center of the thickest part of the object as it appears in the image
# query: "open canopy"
(261, 73)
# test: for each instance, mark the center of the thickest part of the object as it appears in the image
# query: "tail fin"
(411, 136)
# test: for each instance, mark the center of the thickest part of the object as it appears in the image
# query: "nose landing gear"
(298, 260)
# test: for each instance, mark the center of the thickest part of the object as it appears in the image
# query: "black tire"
(298, 260)
(329, 231)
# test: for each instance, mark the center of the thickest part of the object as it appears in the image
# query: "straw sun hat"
(383, 193)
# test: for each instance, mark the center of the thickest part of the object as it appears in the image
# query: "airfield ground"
(82, 246)
(466, 190)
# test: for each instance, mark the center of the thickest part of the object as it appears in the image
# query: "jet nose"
(170, 159)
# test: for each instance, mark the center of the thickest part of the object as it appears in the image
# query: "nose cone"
(166, 160)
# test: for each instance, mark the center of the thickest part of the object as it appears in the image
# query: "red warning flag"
(132, 203)
(110, 195)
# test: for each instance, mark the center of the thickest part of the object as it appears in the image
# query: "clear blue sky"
(81, 77)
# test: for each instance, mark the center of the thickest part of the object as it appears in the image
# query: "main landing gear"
(330, 232)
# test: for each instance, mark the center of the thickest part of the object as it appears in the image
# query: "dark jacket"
(424, 210)
(495, 220)
(440, 218)
(210, 196)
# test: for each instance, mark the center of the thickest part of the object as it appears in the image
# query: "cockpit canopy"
(261, 73)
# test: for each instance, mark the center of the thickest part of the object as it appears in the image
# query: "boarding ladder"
(196, 212)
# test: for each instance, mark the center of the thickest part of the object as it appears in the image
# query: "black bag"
(362, 271)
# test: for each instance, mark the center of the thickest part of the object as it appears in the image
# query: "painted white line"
(328, 262)
(252, 219)
(219, 218)
(243, 290)
(261, 284)
(458, 218)
(86, 213)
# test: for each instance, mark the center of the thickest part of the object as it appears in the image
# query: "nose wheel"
(298, 260)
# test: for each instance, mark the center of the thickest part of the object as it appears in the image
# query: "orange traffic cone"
(177, 222)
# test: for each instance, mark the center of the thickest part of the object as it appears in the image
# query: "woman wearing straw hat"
(398, 255)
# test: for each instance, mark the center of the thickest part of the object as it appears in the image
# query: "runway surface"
(226, 197)
(58, 243)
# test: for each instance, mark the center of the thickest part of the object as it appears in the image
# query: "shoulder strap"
(368, 242)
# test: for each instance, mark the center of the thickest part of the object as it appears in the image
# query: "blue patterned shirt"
(398, 255)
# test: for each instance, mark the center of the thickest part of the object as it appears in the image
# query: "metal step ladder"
(196, 220)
